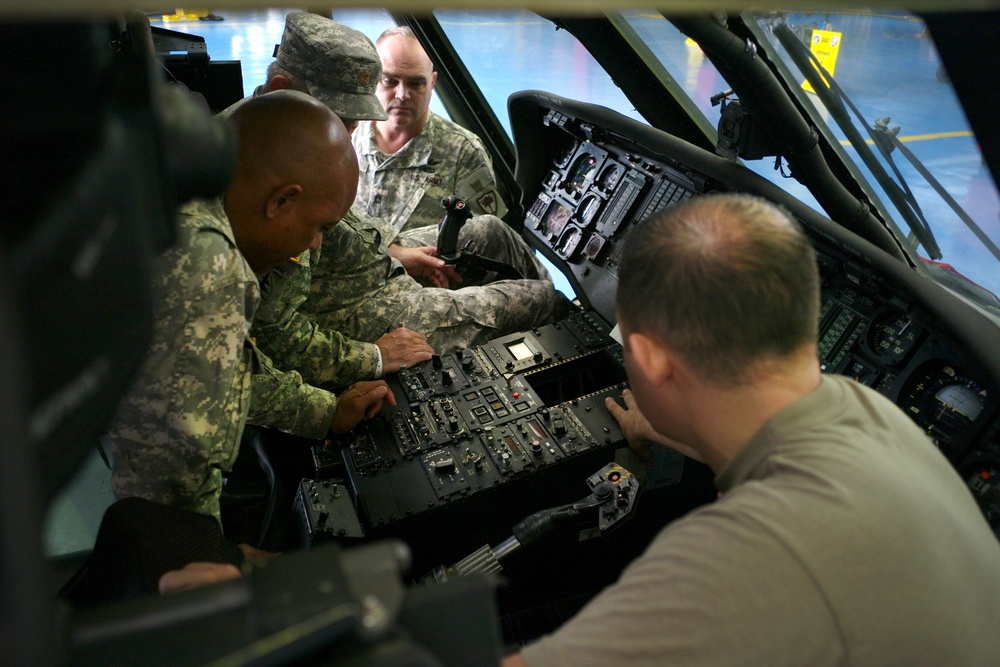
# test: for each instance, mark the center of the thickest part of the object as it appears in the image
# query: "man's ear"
(650, 356)
(279, 82)
(282, 199)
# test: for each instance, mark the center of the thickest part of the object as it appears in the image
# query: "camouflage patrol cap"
(339, 64)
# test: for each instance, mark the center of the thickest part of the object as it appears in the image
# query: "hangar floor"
(890, 44)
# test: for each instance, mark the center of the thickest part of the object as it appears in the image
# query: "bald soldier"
(178, 427)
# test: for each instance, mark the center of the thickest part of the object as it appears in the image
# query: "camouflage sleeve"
(179, 424)
(475, 182)
(386, 229)
(295, 341)
(281, 400)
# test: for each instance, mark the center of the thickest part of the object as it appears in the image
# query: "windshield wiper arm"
(798, 140)
(884, 134)
(833, 97)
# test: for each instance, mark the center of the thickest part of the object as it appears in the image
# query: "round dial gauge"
(610, 176)
(581, 173)
(945, 402)
(594, 246)
(589, 208)
(556, 220)
(892, 335)
(569, 242)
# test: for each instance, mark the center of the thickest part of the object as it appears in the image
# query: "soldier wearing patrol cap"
(332, 62)
(328, 60)
(341, 67)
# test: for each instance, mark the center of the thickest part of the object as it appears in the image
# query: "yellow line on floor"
(921, 137)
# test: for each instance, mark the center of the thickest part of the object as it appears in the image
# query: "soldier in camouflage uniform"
(340, 67)
(361, 290)
(329, 61)
(339, 61)
(178, 426)
(415, 158)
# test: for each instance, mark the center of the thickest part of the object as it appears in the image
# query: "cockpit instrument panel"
(586, 204)
(981, 472)
(878, 322)
(881, 322)
(484, 436)
(899, 350)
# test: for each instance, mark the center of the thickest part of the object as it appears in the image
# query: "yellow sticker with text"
(825, 45)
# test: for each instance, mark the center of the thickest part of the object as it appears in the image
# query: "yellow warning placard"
(825, 45)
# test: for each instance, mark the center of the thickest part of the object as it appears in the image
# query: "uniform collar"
(415, 152)
(820, 406)
(208, 214)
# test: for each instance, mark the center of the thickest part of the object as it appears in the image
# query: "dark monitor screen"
(187, 60)
(220, 82)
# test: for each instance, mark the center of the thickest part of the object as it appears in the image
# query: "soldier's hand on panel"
(361, 401)
(639, 432)
(403, 348)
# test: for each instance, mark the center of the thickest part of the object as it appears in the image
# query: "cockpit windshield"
(935, 195)
(927, 182)
(891, 113)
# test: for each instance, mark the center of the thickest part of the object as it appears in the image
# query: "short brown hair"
(725, 280)
(396, 31)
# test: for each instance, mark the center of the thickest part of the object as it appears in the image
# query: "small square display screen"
(520, 351)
